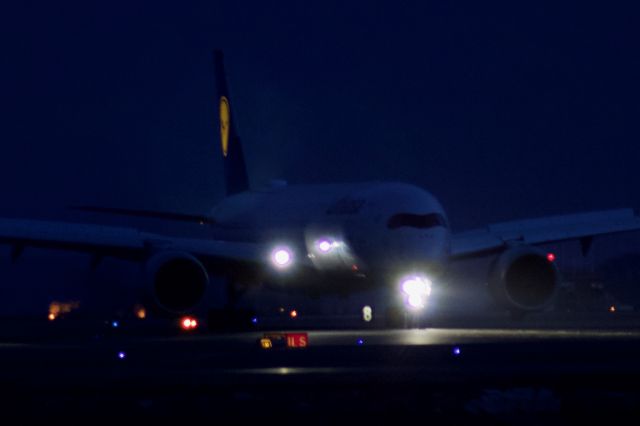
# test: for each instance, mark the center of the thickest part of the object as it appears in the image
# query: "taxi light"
(416, 301)
(416, 289)
(416, 286)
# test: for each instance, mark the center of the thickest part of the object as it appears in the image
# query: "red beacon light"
(188, 323)
(551, 257)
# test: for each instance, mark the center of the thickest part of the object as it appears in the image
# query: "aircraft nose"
(420, 250)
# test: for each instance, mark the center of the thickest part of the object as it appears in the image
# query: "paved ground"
(444, 375)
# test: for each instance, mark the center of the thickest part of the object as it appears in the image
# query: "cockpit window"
(421, 221)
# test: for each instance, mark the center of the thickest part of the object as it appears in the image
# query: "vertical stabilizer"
(235, 169)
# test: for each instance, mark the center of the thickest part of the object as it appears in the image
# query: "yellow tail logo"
(225, 120)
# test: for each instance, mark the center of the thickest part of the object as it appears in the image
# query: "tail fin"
(235, 169)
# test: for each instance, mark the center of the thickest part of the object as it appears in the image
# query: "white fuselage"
(356, 229)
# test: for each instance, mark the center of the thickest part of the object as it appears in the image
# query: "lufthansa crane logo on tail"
(225, 119)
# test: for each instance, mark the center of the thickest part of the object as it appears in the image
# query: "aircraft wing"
(123, 243)
(494, 238)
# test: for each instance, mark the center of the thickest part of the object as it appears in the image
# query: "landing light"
(281, 257)
(416, 289)
(324, 246)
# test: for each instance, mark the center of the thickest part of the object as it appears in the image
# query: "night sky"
(502, 111)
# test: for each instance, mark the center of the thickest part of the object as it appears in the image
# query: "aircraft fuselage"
(377, 229)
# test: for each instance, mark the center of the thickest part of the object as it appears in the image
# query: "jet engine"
(523, 279)
(177, 281)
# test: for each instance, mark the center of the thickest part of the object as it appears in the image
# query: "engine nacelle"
(177, 281)
(523, 279)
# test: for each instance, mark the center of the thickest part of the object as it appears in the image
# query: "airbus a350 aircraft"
(321, 239)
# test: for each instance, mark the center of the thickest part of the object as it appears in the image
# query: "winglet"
(235, 170)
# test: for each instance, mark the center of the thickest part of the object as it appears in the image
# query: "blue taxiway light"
(254, 320)
(456, 351)
(360, 342)
(122, 355)
(115, 324)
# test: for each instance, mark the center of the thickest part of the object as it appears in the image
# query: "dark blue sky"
(516, 110)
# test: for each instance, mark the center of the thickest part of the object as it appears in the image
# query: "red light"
(551, 257)
(188, 323)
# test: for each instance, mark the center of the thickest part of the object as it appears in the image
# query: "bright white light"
(325, 246)
(281, 257)
(417, 290)
(417, 286)
(416, 301)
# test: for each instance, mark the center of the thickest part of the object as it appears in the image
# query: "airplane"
(324, 239)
